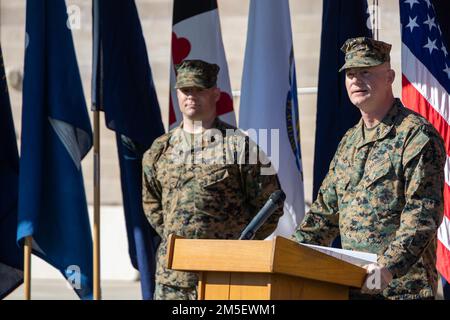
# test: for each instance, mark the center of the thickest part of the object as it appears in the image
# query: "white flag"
(269, 101)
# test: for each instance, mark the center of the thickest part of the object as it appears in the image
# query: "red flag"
(196, 35)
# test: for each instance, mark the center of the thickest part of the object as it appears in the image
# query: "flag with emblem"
(269, 101)
(11, 256)
(196, 34)
(56, 136)
(426, 90)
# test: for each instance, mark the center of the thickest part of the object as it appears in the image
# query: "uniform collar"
(178, 136)
(384, 127)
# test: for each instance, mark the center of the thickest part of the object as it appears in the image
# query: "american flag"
(426, 90)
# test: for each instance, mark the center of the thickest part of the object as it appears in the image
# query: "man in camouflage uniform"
(200, 179)
(384, 190)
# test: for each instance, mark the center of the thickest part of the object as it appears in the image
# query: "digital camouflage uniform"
(196, 73)
(384, 195)
(209, 188)
(365, 52)
(208, 200)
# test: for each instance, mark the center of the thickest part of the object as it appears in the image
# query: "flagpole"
(375, 20)
(97, 291)
(96, 107)
(27, 266)
(377, 8)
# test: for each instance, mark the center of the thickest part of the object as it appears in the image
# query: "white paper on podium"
(354, 257)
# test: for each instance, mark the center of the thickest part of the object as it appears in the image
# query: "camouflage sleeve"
(423, 161)
(151, 194)
(259, 182)
(320, 225)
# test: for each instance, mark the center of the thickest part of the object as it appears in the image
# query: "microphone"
(271, 205)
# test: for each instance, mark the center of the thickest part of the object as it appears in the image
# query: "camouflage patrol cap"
(365, 52)
(196, 73)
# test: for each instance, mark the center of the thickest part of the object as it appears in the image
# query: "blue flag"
(56, 135)
(341, 19)
(123, 88)
(11, 256)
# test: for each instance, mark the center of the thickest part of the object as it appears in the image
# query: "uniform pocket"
(213, 176)
(377, 172)
(381, 189)
(217, 191)
(215, 179)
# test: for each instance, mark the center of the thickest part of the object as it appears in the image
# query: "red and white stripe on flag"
(196, 34)
(425, 89)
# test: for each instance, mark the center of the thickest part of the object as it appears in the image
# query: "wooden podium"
(280, 269)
